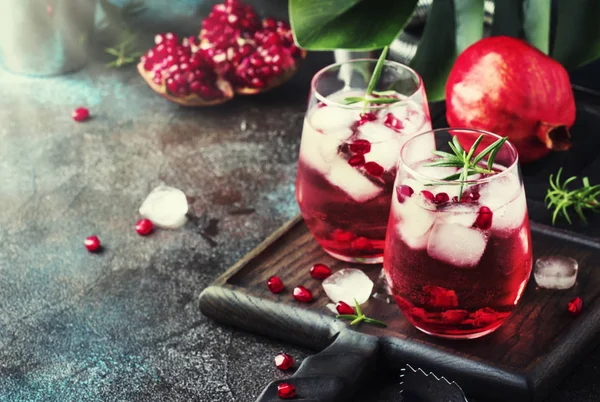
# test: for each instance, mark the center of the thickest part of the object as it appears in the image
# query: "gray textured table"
(124, 325)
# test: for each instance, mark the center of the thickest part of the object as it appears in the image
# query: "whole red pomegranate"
(235, 53)
(506, 86)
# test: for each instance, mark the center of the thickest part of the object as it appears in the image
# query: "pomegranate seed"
(428, 195)
(320, 271)
(455, 198)
(441, 198)
(392, 122)
(357, 160)
(144, 227)
(454, 316)
(343, 235)
(362, 243)
(283, 361)
(367, 117)
(575, 306)
(344, 308)
(80, 114)
(403, 192)
(484, 218)
(269, 23)
(374, 169)
(92, 243)
(360, 147)
(286, 390)
(484, 317)
(275, 284)
(474, 196)
(302, 294)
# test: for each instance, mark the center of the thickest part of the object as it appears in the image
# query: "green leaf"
(348, 24)
(577, 32)
(536, 15)
(353, 99)
(446, 34)
(508, 18)
(377, 71)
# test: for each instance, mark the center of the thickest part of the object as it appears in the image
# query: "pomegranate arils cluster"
(235, 52)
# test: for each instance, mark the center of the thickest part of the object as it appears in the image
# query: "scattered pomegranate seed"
(428, 195)
(275, 284)
(320, 271)
(392, 122)
(403, 192)
(362, 243)
(360, 147)
(302, 294)
(484, 218)
(283, 361)
(357, 160)
(575, 306)
(374, 169)
(144, 227)
(92, 243)
(344, 308)
(80, 114)
(286, 390)
(441, 198)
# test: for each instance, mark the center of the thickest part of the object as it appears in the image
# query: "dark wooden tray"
(521, 361)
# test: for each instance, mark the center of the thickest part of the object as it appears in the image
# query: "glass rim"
(422, 177)
(396, 64)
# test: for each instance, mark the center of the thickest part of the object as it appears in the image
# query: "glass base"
(374, 259)
(471, 335)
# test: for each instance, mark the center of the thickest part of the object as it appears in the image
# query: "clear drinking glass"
(457, 268)
(349, 154)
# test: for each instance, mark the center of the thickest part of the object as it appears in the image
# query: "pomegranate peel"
(508, 87)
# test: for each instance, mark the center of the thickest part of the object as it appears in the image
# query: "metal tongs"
(419, 386)
(334, 375)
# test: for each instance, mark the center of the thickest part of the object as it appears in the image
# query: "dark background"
(124, 325)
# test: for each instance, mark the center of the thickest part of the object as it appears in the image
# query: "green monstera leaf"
(348, 24)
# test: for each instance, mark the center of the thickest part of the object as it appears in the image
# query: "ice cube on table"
(455, 244)
(166, 207)
(555, 272)
(352, 181)
(348, 284)
(414, 222)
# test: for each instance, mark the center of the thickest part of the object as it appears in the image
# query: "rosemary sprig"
(124, 52)
(384, 97)
(561, 198)
(467, 162)
(360, 317)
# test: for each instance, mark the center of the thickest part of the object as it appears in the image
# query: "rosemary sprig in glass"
(467, 162)
(360, 317)
(580, 199)
(383, 97)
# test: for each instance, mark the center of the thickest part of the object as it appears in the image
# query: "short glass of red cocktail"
(349, 151)
(458, 248)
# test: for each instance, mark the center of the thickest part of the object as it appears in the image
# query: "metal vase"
(45, 37)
